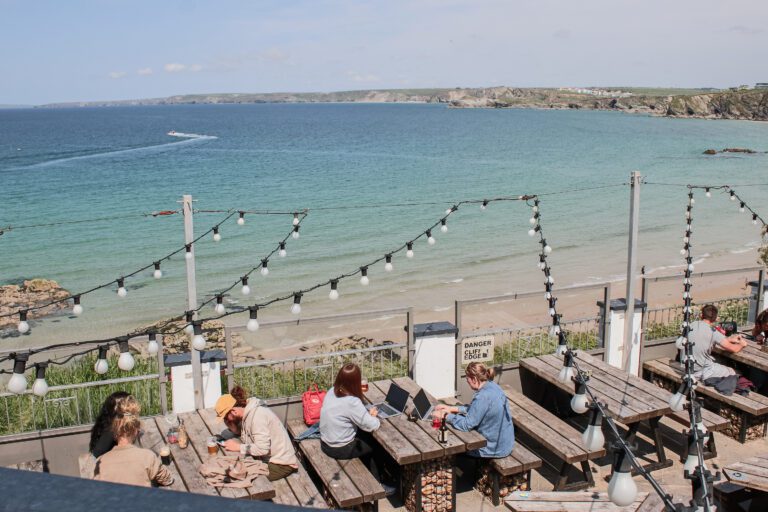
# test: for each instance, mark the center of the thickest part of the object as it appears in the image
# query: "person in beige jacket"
(262, 435)
(126, 463)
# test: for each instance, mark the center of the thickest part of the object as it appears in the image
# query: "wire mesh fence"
(291, 377)
(666, 322)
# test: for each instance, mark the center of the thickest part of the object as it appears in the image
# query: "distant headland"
(735, 103)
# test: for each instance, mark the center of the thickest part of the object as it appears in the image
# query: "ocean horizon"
(372, 177)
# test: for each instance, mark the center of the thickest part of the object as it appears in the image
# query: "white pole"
(189, 235)
(631, 349)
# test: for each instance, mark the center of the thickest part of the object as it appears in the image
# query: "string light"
(121, 291)
(534, 230)
(198, 340)
(253, 321)
(430, 238)
(388, 263)
(18, 383)
(295, 233)
(295, 219)
(241, 218)
(296, 307)
(484, 205)
(708, 192)
(125, 362)
(216, 234)
(23, 325)
(566, 372)
(741, 208)
(188, 251)
(264, 268)
(40, 386)
(102, 365)
(245, 290)
(152, 346)
(409, 252)
(219, 307)
(364, 276)
(677, 401)
(593, 437)
(189, 317)
(334, 293)
(157, 274)
(580, 402)
(283, 253)
(622, 489)
(77, 309)
(733, 195)
(443, 226)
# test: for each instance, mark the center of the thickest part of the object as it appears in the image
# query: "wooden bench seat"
(555, 435)
(747, 414)
(518, 463)
(298, 490)
(348, 482)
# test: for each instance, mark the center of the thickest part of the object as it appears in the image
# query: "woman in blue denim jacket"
(488, 413)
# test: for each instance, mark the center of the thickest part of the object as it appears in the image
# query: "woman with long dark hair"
(345, 423)
(102, 439)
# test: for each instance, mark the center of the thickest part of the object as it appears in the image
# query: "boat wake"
(174, 133)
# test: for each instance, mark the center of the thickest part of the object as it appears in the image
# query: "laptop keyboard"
(387, 410)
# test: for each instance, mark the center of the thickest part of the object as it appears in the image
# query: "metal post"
(410, 345)
(230, 359)
(189, 235)
(605, 315)
(759, 294)
(162, 377)
(634, 210)
(457, 313)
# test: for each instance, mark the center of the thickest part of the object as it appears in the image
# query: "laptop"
(393, 404)
(422, 405)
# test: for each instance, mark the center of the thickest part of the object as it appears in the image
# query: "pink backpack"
(312, 401)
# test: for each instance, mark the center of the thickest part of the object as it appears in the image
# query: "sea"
(78, 187)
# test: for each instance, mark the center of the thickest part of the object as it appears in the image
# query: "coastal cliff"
(709, 104)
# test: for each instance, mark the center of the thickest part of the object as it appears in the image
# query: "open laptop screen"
(422, 404)
(397, 397)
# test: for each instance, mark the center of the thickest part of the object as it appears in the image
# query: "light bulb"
(198, 341)
(295, 235)
(77, 310)
(219, 307)
(554, 330)
(188, 253)
(409, 252)
(580, 403)
(680, 342)
(691, 462)
(264, 271)
(241, 219)
(622, 489)
(754, 221)
(682, 252)
(548, 295)
(388, 264)
(102, 365)
(245, 290)
(561, 349)
(121, 291)
(157, 273)
(708, 193)
(693, 201)
(152, 347)
(23, 325)
(733, 196)
(216, 234)
(547, 249)
(296, 307)
(252, 325)
(593, 438)
(484, 205)
(334, 293)
(364, 278)
(295, 219)
(532, 220)
(430, 239)
(444, 228)
(283, 253)
(551, 311)
(542, 265)
(189, 329)
(126, 362)
(531, 232)
(40, 387)
(677, 402)
(550, 280)
(565, 375)
(690, 267)
(17, 383)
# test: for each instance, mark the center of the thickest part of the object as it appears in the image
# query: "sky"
(55, 51)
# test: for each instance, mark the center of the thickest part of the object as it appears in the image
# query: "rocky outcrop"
(30, 293)
(730, 150)
(176, 341)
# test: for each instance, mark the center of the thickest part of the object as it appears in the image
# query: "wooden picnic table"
(751, 355)
(428, 476)
(581, 501)
(751, 473)
(628, 399)
(185, 462)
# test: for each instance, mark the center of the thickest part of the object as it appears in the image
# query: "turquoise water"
(74, 164)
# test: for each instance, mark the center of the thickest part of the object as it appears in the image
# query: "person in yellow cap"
(262, 435)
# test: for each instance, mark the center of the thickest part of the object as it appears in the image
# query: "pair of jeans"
(361, 447)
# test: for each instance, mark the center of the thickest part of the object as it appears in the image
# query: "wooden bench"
(347, 482)
(555, 435)
(298, 490)
(520, 462)
(583, 501)
(748, 415)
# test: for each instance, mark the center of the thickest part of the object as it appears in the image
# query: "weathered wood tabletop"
(628, 399)
(185, 463)
(581, 501)
(415, 441)
(751, 355)
(751, 473)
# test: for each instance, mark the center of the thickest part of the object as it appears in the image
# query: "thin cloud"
(195, 68)
(174, 67)
(748, 31)
(144, 72)
(115, 75)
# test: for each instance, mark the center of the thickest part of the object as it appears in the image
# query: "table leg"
(430, 485)
(662, 460)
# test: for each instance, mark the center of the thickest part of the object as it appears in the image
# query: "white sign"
(477, 348)
(183, 392)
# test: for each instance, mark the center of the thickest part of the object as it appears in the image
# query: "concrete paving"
(671, 479)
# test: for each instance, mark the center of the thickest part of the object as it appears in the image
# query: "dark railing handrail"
(526, 295)
(702, 274)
